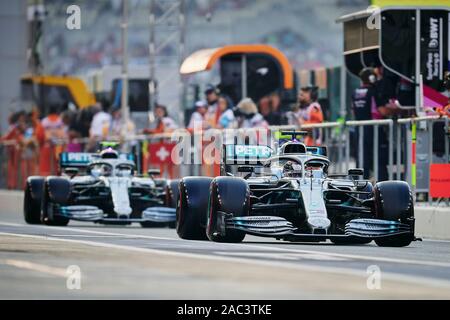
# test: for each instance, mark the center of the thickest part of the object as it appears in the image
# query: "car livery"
(99, 187)
(289, 195)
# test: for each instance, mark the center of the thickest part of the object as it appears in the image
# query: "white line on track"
(22, 264)
(435, 240)
(281, 256)
(361, 257)
(247, 246)
(336, 270)
(124, 235)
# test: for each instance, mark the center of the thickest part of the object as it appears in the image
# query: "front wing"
(280, 228)
(95, 214)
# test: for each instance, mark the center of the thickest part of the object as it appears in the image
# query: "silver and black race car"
(289, 195)
(102, 188)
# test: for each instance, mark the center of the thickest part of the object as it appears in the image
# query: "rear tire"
(230, 195)
(393, 201)
(192, 208)
(31, 206)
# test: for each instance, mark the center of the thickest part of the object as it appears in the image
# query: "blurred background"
(305, 31)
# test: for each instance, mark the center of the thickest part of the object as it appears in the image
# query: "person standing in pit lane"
(369, 103)
(162, 123)
(100, 123)
(277, 118)
(198, 118)
(363, 101)
(212, 98)
(248, 116)
(54, 141)
(310, 112)
(12, 137)
(226, 119)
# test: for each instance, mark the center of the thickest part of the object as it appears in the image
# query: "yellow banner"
(386, 3)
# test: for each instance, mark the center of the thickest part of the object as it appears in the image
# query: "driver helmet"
(291, 169)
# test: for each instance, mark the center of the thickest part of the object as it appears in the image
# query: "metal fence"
(349, 145)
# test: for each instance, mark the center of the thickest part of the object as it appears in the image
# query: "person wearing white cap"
(197, 121)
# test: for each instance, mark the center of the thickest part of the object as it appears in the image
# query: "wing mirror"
(72, 172)
(356, 172)
(247, 169)
(153, 172)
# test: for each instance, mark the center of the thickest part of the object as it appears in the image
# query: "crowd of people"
(218, 111)
(33, 143)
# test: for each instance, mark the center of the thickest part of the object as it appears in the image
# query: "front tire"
(394, 202)
(49, 216)
(230, 195)
(192, 208)
(31, 205)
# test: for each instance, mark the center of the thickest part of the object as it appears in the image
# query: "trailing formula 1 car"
(99, 187)
(290, 196)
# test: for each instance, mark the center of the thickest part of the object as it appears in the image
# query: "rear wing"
(291, 135)
(245, 154)
(83, 159)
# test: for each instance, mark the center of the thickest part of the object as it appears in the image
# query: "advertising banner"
(434, 48)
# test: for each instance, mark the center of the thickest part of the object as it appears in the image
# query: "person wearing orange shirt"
(52, 146)
(212, 98)
(12, 139)
(310, 112)
(163, 123)
(30, 144)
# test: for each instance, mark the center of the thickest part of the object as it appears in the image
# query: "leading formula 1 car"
(102, 188)
(290, 196)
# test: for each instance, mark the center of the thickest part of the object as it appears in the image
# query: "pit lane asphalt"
(132, 262)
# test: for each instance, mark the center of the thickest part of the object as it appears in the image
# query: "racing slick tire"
(230, 195)
(192, 208)
(56, 192)
(32, 200)
(393, 201)
(172, 195)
